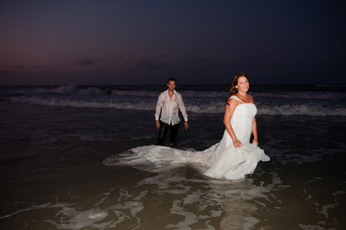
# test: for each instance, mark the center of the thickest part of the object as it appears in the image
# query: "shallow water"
(52, 176)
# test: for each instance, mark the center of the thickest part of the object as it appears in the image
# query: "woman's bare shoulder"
(251, 98)
(233, 102)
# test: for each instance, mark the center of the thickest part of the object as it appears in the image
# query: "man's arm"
(183, 111)
(158, 110)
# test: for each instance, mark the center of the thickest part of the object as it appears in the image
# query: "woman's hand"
(237, 144)
(157, 124)
(255, 141)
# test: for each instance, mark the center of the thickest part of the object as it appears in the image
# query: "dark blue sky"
(197, 42)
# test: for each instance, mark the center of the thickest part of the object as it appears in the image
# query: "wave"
(56, 101)
(302, 95)
(71, 90)
(302, 109)
(150, 91)
(191, 106)
(75, 90)
(61, 90)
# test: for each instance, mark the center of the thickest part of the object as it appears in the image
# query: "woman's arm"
(227, 121)
(254, 124)
(254, 131)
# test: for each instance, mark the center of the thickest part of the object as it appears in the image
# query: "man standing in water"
(169, 102)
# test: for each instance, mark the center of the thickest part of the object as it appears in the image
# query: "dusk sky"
(197, 42)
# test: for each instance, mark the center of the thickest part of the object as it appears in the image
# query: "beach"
(55, 141)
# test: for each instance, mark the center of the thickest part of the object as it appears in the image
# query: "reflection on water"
(177, 199)
(52, 176)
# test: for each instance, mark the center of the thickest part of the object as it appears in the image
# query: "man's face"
(171, 85)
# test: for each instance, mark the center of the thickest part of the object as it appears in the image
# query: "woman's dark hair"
(233, 89)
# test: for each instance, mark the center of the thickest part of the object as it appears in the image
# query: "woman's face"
(243, 84)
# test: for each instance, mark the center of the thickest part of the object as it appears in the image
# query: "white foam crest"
(184, 93)
(134, 93)
(41, 206)
(37, 91)
(301, 95)
(72, 89)
(91, 91)
(205, 107)
(251, 222)
(211, 94)
(219, 196)
(73, 219)
(301, 109)
(214, 199)
(191, 106)
(66, 89)
(69, 217)
(55, 101)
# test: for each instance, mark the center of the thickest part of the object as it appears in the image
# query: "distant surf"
(270, 100)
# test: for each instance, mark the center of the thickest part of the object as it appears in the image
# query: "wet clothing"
(163, 131)
(170, 110)
(169, 115)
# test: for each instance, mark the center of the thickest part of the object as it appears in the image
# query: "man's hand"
(157, 124)
(186, 125)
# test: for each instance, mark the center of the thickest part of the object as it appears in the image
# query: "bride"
(232, 158)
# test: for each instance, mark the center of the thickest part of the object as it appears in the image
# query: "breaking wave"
(195, 106)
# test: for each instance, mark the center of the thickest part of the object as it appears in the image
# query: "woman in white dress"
(232, 158)
(239, 157)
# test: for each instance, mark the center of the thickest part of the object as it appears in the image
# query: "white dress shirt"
(170, 112)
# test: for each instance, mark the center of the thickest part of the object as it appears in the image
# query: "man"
(169, 102)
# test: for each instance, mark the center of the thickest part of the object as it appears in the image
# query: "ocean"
(55, 139)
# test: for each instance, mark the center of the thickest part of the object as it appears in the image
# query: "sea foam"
(197, 100)
(194, 106)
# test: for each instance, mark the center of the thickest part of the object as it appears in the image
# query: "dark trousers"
(163, 131)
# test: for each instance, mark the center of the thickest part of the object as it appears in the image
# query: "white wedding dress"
(221, 160)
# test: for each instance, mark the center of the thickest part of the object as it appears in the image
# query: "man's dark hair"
(171, 79)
